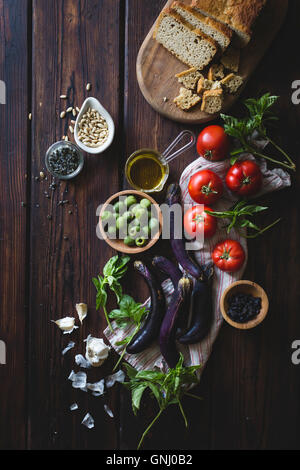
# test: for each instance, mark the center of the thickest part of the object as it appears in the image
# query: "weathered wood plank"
(73, 43)
(13, 221)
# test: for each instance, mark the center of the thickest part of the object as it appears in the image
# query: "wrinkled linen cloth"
(198, 354)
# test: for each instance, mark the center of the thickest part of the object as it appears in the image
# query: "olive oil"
(146, 171)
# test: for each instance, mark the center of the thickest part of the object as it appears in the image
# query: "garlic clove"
(96, 351)
(81, 311)
(67, 324)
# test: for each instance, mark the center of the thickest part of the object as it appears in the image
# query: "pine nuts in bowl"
(94, 128)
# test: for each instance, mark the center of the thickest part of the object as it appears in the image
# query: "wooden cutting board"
(156, 67)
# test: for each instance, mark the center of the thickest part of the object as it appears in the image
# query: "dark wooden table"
(48, 255)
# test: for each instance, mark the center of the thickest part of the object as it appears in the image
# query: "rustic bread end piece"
(238, 15)
(232, 83)
(231, 59)
(186, 99)
(216, 72)
(187, 44)
(189, 78)
(212, 101)
(219, 32)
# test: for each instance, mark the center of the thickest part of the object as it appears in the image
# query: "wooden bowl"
(250, 288)
(119, 245)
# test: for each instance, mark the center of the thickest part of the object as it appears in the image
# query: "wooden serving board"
(156, 67)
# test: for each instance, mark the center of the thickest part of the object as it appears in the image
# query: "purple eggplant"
(173, 272)
(150, 330)
(167, 267)
(201, 308)
(167, 337)
(178, 244)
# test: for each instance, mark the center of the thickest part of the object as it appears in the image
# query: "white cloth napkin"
(151, 358)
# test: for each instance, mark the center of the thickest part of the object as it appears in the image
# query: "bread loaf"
(217, 31)
(187, 44)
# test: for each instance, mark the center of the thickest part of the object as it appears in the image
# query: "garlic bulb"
(96, 351)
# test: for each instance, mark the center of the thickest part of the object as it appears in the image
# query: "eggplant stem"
(148, 429)
(183, 414)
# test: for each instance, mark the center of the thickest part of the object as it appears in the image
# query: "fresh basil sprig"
(238, 216)
(168, 389)
(113, 271)
(243, 129)
(129, 313)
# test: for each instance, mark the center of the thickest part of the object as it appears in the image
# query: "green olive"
(120, 207)
(141, 241)
(153, 224)
(121, 223)
(112, 232)
(146, 231)
(130, 201)
(129, 241)
(145, 204)
(106, 216)
(135, 208)
(141, 213)
(134, 231)
(128, 216)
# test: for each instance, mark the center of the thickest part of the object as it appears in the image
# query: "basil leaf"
(137, 393)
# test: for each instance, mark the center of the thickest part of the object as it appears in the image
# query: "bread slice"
(204, 85)
(186, 99)
(212, 101)
(189, 78)
(232, 83)
(239, 15)
(216, 72)
(231, 59)
(188, 45)
(217, 31)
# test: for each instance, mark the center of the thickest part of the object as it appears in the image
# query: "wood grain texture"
(156, 67)
(73, 43)
(13, 222)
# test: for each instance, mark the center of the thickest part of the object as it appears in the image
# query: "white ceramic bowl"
(95, 104)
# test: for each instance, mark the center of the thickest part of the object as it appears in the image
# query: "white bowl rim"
(95, 104)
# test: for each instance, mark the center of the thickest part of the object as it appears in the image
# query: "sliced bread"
(217, 31)
(239, 15)
(216, 72)
(188, 45)
(231, 59)
(212, 101)
(186, 99)
(189, 78)
(203, 85)
(232, 83)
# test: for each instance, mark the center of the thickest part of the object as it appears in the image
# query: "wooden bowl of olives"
(130, 222)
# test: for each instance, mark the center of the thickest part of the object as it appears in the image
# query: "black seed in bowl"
(243, 307)
(64, 161)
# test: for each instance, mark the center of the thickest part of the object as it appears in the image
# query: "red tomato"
(213, 143)
(229, 256)
(197, 221)
(244, 178)
(205, 187)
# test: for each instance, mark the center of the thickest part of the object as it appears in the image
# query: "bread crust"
(222, 28)
(176, 16)
(238, 14)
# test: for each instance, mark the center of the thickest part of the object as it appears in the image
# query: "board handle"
(168, 156)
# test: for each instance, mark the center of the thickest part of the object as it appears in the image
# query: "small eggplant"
(178, 244)
(201, 308)
(167, 335)
(150, 330)
(167, 267)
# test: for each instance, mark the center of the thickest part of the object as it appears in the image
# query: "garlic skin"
(96, 351)
(67, 324)
(81, 310)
